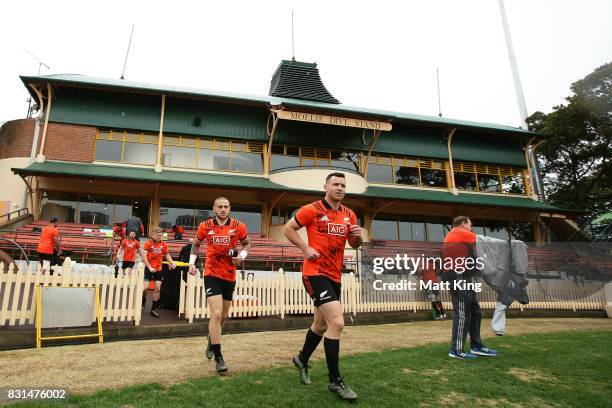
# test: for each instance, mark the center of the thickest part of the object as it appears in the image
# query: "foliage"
(576, 158)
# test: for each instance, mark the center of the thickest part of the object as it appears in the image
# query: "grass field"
(572, 369)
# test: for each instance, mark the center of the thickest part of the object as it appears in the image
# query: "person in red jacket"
(48, 244)
(178, 232)
(459, 253)
(157, 251)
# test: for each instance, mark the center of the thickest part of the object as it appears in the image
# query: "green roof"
(77, 80)
(462, 198)
(147, 175)
(249, 182)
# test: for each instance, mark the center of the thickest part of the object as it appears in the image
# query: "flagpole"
(518, 88)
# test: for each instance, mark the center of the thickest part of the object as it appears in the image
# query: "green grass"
(561, 369)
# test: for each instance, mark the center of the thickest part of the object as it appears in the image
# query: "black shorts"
(215, 286)
(153, 276)
(127, 264)
(321, 289)
(44, 257)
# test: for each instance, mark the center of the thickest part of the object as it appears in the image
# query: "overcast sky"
(375, 54)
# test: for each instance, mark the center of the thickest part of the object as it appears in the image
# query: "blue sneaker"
(462, 355)
(484, 351)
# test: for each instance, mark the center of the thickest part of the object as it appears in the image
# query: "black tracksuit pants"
(466, 319)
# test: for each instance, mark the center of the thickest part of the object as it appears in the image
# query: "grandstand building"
(102, 149)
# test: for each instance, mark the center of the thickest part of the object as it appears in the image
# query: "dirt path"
(87, 368)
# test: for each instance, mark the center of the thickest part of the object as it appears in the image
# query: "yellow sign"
(333, 120)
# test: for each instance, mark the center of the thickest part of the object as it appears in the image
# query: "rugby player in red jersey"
(329, 225)
(156, 250)
(221, 234)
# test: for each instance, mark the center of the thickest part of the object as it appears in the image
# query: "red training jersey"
(156, 251)
(219, 240)
(129, 249)
(458, 243)
(327, 230)
(46, 243)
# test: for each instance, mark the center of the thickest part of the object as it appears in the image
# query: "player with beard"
(156, 250)
(329, 225)
(222, 235)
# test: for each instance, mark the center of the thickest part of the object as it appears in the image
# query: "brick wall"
(16, 138)
(70, 142)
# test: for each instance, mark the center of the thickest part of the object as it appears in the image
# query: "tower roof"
(300, 80)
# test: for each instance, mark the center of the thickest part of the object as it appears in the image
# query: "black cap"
(53, 219)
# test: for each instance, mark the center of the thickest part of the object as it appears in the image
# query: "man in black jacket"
(184, 257)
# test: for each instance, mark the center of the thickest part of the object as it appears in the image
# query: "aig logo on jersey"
(336, 229)
(222, 240)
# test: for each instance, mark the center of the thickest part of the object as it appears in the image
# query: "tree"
(576, 158)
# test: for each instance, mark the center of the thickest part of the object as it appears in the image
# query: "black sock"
(310, 345)
(216, 348)
(332, 352)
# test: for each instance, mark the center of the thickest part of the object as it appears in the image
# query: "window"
(284, 157)
(380, 173)
(345, 160)
(108, 150)
(121, 146)
(250, 216)
(180, 151)
(248, 162)
(412, 231)
(407, 175)
(478, 229)
(91, 208)
(465, 181)
(172, 214)
(409, 229)
(513, 183)
(221, 159)
(60, 205)
(123, 209)
(177, 156)
(95, 209)
(436, 232)
(489, 183)
(489, 178)
(139, 153)
(384, 229)
(408, 171)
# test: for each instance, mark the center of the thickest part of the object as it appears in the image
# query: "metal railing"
(9, 215)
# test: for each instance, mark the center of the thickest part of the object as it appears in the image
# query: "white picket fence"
(274, 294)
(262, 296)
(120, 297)
(284, 294)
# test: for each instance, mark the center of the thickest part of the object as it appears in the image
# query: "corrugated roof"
(77, 80)
(300, 80)
(246, 182)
